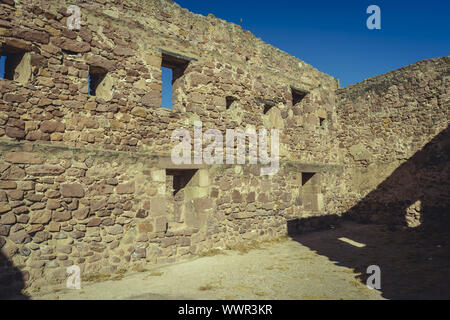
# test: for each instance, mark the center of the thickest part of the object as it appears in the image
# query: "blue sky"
(2, 66)
(333, 37)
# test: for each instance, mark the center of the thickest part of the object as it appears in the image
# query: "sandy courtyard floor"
(320, 265)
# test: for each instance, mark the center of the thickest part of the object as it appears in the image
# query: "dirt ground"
(329, 264)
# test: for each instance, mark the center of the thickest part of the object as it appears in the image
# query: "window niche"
(173, 67)
(298, 95)
(230, 101)
(178, 179)
(311, 192)
(323, 119)
(322, 122)
(15, 64)
(98, 84)
(267, 106)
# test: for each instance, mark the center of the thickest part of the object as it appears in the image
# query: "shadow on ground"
(414, 262)
(11, 280)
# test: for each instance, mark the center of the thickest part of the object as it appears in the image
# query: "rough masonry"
(85, 170)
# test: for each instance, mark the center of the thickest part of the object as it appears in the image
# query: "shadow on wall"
(11, 280)
(415, 261)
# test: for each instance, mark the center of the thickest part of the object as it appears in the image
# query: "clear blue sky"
(2, 66)
(332, 35)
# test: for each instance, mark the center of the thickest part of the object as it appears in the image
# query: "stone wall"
(87, 179)
(106, 210)
(54, 105)
(394, 143)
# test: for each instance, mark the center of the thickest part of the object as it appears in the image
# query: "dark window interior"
(96, 76)
(181, 178)
(306, 177)
(267, 106)
(229, 101)
(298, 95)
(10, 60)
(322, 122)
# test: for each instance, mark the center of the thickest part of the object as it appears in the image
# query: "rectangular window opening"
(9, 61)
(173, 67)
(229, 101)
(180, 178)
(71, 53)
(310, 191)
(96, 76)
(322, 122)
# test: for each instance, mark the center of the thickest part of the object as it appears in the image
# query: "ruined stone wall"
(125, 39)
(394, 143)
(86, 180)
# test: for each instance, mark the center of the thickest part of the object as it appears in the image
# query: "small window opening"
(173, 67)
(306, 177)
(229, 101)
(9, 62)
(72, 53)
(322, 122)
(298, 95)
(96, 76)
(180, 178)
(268, 105)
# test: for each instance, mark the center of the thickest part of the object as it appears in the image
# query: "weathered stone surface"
(100, 62)
(13, 173)
(14, 132)
(52, 126)
(97, 205)
(72, 191)
(145, 227)
(94, 222)
(4, 207)
(161, 224)
(44, 170)
(139, 112)
(114, 230)
(19, 237)
(8, 218)
(359, 152)
(149, 100)
(158, 207)
(73, 45)
(123, 51)
(8, 185)
(23, 157)
(11, 97)
(32, 35)
(40, 217)
(125, 188)
(82, 213)
(61, 216)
